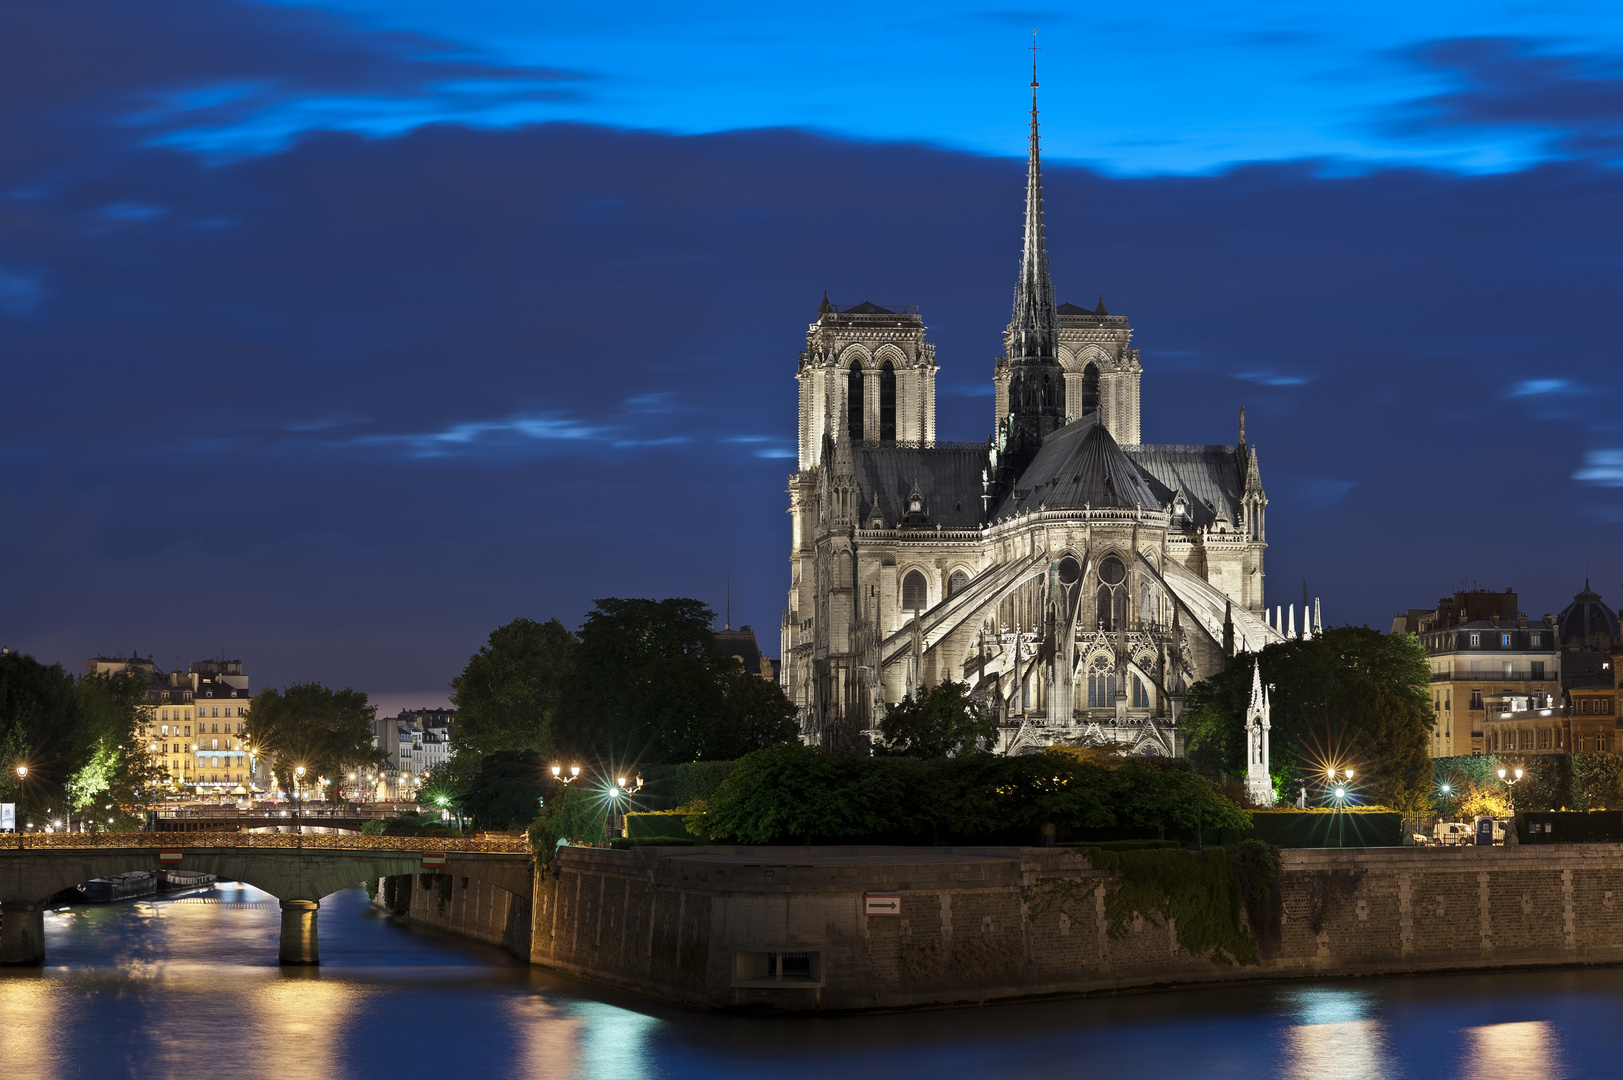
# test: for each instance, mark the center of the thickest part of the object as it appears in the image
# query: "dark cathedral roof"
(949, 479)
(1210, 475)
(1585, 617)
(1081, 465)
(867, 307)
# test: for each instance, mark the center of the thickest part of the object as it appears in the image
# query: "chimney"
(1493, 620)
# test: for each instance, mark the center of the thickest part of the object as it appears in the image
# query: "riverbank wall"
(464, 906)
(813, 929)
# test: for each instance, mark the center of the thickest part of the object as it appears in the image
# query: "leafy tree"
(650, 685)
(42, 724)
(798, 793)
(574, 814)
(328, 732)
(508, 790)
(1349, 697)
(1597, 781)
(508, 696)
(941, 721)
(119, 777)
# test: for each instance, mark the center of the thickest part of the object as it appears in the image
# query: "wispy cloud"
(478, 435)
(325, 423)
(1532, 387)
(1271, 378)
(20, 293)
(1603, 468)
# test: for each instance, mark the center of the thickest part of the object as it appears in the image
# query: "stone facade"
(974, 925)
(1077, 579)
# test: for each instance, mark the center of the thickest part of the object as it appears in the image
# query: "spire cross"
(1034, 60)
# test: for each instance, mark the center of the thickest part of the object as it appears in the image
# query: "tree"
(43, 729)
(650, 685)
(508, 696)
(941, 721)
(1349, 697)
(118, 777)
(508, 790)
(328, 732)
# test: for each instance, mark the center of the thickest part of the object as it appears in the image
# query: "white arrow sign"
(882, 903)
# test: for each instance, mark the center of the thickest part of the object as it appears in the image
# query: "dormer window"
(915, 505)
(1476, 641)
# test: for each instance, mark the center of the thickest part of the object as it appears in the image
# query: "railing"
(307, 813)
(503, 845)
(1493, 676)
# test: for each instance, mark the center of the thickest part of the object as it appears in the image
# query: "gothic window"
(853, 401)
(1101, 684)
(957, 582)
(915, 592)
(1141, 698)
(1090, 389)
(887, 402)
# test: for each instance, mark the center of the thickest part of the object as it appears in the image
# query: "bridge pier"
(298, 944)
(22, 933)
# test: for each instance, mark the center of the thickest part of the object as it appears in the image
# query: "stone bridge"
(296, 869)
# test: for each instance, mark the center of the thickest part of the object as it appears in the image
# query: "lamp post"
(298, 805)
(574, 774)
(17, 823)
(1510, 794)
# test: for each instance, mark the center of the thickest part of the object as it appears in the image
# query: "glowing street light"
(574, 774)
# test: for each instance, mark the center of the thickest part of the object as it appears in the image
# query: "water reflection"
(299, 1021)
(190, 989)
(1529, 1050)
(29, 1032)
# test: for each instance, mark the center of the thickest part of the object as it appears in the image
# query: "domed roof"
(1585, 617)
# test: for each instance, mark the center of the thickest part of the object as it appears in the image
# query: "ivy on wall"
(1211, 895)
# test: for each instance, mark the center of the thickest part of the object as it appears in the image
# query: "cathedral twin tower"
(1076, 579)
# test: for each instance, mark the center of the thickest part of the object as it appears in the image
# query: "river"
(189, 987)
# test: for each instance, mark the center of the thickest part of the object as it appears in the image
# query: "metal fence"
(503, 845)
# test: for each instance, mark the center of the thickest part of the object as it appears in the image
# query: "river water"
(189, 987)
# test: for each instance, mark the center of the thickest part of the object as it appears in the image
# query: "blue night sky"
(334, 335)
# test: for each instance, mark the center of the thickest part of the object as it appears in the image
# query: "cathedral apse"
(1077, 580)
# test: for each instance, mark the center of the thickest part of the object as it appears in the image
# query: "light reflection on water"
(185, 989)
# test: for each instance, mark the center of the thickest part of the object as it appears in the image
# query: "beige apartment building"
(195, 721)
(1487, 657)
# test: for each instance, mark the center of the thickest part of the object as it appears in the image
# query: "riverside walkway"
(297, 868)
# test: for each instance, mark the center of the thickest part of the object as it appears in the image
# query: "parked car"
(1453, 833)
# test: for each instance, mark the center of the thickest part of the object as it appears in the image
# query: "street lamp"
(574, 774)
(1510, 795)
(298, 807)
(22, 774)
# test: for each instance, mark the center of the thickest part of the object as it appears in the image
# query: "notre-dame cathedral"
(1078, 580)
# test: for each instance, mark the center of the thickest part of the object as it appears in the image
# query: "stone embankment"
(801, 928)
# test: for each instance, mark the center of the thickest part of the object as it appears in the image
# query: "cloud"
(1603, 468)
(564, 347)
(1269, 378)
(20, 293)
(1541, 387)
(486, 436)
(1569, 103)
(1318, 493)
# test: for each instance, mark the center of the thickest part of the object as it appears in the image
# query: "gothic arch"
(891, 353)
(915, 589)
(1090, 389)
(856, 353)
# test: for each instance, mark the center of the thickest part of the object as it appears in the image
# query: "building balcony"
(1496, 676)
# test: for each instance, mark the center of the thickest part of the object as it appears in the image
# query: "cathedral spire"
(1034, 328)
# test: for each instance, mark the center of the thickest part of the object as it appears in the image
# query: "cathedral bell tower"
(1035, 378)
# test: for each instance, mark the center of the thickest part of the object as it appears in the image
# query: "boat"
(118, 887)
(172, 880)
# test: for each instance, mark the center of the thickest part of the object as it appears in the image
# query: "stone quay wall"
(786, 928)
(469, 907)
